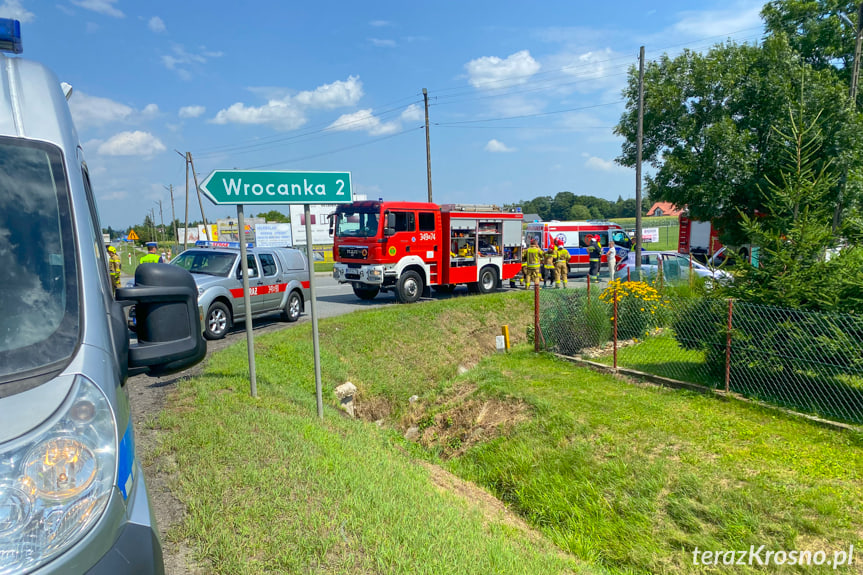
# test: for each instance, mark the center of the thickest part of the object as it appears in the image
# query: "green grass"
(627, 478)
(324, 266)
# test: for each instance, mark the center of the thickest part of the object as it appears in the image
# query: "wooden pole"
(639, 148)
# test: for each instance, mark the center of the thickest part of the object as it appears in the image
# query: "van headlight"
(55, 481)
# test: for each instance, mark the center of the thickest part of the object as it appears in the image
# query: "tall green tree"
(275, 216)
(794, 234)
(708, 126)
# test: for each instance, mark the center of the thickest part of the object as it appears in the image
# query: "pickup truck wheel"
(487, 280)
(217, 321)
(293, 308)
(409, 288)
(364, 292)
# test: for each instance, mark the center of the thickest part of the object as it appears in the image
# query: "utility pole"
(161, 221)
(639, 137)
(173, 217)
(186, 229)
(855, 73)
(200, 202)
(428, 148)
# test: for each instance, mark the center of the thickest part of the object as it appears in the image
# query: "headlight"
(55, 481)
(374, 273)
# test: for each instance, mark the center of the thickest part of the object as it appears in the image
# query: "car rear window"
(39, 307)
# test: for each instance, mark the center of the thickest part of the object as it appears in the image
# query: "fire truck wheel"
(365, 293)
(410, 287)
(487, 280)
(444, 288)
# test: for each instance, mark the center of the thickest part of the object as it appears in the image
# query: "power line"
(330, 127)
(291, 161)
(537, 115)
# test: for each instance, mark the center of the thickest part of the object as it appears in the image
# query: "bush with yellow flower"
(639, 306)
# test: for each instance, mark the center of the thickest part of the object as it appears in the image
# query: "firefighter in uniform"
(114, 268)
(151, 257)
(561, 258)
(533, 261)
(594, 255)
(548, 266)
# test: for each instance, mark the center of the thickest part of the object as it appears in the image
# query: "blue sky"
(522, 96)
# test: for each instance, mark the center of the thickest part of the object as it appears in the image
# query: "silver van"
(278, 283)
(72, 494)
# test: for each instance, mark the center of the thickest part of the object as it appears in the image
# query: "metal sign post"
(238, 187)
(247, 303)
(311, 257)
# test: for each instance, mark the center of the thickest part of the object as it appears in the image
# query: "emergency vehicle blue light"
(10, 36)
(212, 244)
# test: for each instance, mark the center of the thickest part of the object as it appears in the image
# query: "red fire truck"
(409, 246)
(700, 239)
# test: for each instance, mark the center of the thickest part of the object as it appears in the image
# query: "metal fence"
(806, 361)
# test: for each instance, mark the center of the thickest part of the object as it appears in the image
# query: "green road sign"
(230, 187)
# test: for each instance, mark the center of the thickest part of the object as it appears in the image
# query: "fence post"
(615, 327)
(627, 274)
(690, 271)
(728, 347)
(536, 317)
(588, 288)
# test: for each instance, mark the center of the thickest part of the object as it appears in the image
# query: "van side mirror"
(167, 319)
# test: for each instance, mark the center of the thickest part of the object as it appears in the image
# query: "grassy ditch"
(629, 479)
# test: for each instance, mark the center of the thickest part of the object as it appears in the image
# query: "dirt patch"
(460, 423)
(491, 507)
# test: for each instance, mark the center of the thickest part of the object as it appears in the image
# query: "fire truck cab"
(576, 236)
(407, 247)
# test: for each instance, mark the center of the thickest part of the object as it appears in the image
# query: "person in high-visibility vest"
(561, 259)
(548, 266)
(114, 268)
(594, 256)
(151, 257)
(533, 260)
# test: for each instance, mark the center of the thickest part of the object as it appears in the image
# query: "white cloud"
(13, 9)
(105, 7)
(596, 163)
(491, 73)
(413, 113)
(92, 28)
(380, 23)
(333, 95)
(364, 120)
(593, 71)
(289, 112)
(92, 111)
(497, 146)
(135, 143)
(380, 43)
(156, 25)
(180, 60)
(191, 111)
(150, 110)
(700, 24)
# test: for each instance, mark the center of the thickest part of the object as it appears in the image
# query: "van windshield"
(39, 319)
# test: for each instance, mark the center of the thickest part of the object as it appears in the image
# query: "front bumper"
(367, 274)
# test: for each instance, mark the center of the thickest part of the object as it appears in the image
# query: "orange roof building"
(663, 209)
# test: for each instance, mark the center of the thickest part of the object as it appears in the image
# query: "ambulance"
(576, 236)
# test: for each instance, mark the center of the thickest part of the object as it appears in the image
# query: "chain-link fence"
(806, 361)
